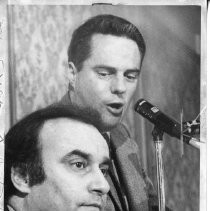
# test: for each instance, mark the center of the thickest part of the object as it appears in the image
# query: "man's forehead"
(51, 123)
(107, 46)
(102, 36)
(58, 125)
(98, 37)
(65, 135)
(62, 127)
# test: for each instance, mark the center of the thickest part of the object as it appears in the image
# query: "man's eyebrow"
(112, 69)
(76, 152)
(84, 155)
(133, 70)
(106, 161)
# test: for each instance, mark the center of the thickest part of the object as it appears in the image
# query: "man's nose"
(118, 85)
(98, 183)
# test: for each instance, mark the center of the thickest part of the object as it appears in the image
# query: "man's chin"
(109, 124)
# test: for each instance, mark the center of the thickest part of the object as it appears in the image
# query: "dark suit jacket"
(130, 187)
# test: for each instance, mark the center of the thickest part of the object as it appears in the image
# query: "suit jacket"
(6, 208)
(130, 187)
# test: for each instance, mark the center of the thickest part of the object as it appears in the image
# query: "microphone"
(164, 123)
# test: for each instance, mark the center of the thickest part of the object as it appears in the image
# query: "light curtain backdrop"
(170, 78)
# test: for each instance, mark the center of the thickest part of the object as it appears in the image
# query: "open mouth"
(115, 108)
(116, 105)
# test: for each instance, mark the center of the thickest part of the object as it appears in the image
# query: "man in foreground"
(105, 57)
(56, 160)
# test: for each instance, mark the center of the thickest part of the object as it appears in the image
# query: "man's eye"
(105, 171)
(104, 74)
(79, 165)
(132, 76)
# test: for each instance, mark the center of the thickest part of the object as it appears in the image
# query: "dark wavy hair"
(79, 48)
(22, 147)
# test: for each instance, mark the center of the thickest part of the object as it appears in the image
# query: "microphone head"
(167, 124)
(147, 110)
(159, 119)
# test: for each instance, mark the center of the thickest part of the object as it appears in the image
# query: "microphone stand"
(158, 140)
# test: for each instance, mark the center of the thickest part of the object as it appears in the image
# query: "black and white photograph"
(103, 105)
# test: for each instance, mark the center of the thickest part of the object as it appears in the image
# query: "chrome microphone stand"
(158, 140)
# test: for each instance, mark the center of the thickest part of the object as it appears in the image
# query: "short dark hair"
(79, 48)
(22, 147)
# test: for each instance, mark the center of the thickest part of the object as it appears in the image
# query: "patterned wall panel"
(41, 37)
(170, 76)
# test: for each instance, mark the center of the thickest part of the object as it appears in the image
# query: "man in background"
(56, 160)
(105, 57)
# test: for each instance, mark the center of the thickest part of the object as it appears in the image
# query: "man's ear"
(72, 74)
(20, 182)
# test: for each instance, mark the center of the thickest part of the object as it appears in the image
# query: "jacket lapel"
(113, 202)
(125, 152)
